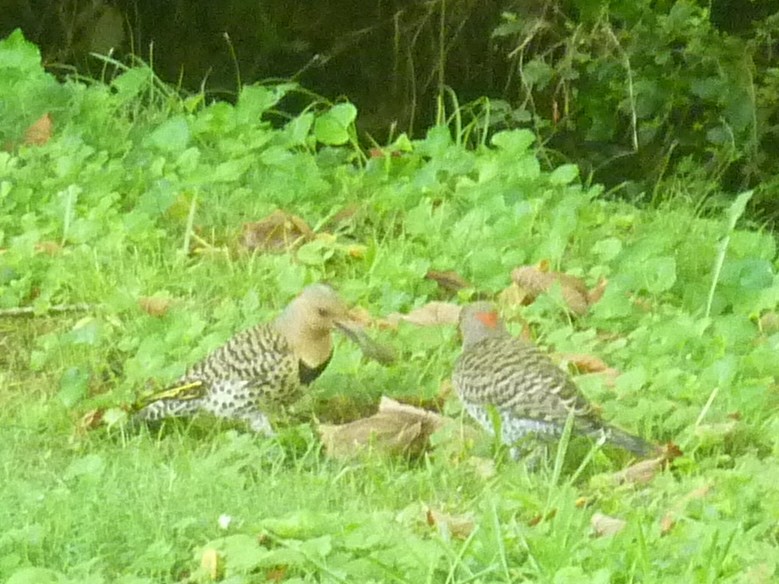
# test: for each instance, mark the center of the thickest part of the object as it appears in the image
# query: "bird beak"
(370, 348)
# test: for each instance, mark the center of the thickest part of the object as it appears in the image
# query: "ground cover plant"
(127, 203)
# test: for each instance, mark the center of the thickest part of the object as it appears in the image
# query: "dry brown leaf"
(396, 429)
(155, 305)
(211, 564)
(640, 473)
(89, 421)
(585, 364)
(458, 526)
(536, 282)
(448, 280)
(39, 132)
(431, 314)
(361, 316)
(603, 525)
(277, 233)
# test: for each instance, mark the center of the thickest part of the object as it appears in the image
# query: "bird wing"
(516, 376)
(259, 357)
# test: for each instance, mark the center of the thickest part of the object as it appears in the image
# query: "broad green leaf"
(562, 175)
(659, 274)
(132, 82)
(334, 126)
(172, 135)
(73, 386)
(516, 142)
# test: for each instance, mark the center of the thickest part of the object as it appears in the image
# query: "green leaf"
(516, 142)
(255, 100)
(73, 386)
(298, 129)
(562, 175)
(170, 136)
(132, 82)
(659, 274)
(607, 249)
(334, 126)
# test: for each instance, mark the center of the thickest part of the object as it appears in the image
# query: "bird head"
(321, 309)
(480, 320)
(310, 318)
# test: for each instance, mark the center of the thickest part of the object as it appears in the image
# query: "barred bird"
(260, 368)
(528, 391)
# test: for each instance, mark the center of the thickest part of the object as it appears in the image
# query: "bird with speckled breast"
(263, 367)
(528, 391)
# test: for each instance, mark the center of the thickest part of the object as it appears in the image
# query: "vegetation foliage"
(138, 193)
(649, 96)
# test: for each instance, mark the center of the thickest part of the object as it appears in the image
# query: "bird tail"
(631, 442)
(177, 401)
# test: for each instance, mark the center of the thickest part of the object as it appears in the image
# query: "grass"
(100, 214)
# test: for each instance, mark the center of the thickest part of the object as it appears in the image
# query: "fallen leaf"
(431, 314)
(458, 526)
(396, 429)
(39, 133)
(89, 421)
(534, 280)
(581, 502)
(211, 564)
(639, 473)
(155, 305)
(448, 280)
(603, 525)
(591, 364)
(277, 233)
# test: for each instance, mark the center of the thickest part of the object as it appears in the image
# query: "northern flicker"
(528, 391)
(262, 367)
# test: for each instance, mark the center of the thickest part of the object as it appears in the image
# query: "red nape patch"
(489, 319)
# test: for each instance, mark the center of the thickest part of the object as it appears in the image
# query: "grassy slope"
(116, 184)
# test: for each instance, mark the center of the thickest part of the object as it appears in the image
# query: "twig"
(57, 308)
